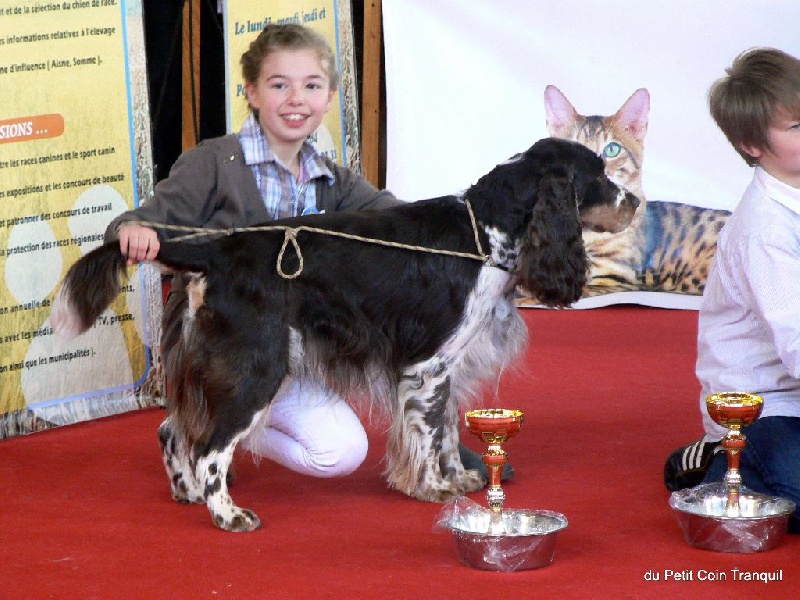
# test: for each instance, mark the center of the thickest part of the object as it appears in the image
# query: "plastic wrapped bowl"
(511, 540)
(702, 515)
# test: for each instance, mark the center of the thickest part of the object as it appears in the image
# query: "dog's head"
(603, 206)
(551, 193)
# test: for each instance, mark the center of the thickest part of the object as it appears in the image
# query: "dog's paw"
(441, 490)
(237, 520)
(471, 480)
(182, 497)
(468, 480)
(436, 495)
(183, 493)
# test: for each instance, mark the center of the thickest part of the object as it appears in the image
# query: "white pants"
(311, 430)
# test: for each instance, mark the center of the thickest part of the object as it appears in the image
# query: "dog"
(417, 328)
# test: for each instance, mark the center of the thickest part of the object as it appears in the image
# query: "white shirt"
(749, 321)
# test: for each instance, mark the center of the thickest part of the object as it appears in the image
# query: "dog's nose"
(626, 200)
(627, 210)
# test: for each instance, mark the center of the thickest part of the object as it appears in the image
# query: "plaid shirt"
(284, 196)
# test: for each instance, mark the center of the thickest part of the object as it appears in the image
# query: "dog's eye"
(612, 150)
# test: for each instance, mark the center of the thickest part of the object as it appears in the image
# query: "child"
(749, 320)
(267, 171)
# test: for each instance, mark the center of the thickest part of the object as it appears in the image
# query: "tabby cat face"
(618, 139)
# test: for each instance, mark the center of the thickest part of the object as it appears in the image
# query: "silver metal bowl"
(703, 517)
(512, 540)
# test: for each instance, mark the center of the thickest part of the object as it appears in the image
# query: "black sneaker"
(472, 460)
(687, 466)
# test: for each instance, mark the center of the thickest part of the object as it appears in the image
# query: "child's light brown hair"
(744, 102)
(289, 36)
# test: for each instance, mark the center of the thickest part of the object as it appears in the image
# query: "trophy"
(733, 410)
(726, 516)
(495, 539)
(494, 426)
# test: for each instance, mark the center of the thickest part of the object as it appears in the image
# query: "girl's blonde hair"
(289, 36)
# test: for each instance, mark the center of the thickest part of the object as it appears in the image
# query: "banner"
(337, 137)
(466, 89)
(74, 153)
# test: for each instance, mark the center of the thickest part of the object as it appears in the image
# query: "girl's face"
(782, 158)
(292, 95)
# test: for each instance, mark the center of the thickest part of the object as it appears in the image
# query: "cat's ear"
(559, 112)
(634, 114)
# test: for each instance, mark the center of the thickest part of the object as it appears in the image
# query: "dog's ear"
(553, 263)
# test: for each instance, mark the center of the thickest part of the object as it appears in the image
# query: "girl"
(266, 171)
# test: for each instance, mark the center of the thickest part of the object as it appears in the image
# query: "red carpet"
(608, 393)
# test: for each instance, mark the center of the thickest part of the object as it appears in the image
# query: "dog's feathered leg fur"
(212, 460)
(424, 431)
(212, 470)
(422, 454)
(188, 415)
(223, 369)
(244, 352)
(176, 455)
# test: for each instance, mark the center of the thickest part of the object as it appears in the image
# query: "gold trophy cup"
(494, 539)
(726, 516)
(494, 426)
(734, 410)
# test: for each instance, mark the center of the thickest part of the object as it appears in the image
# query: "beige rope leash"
(290, 237)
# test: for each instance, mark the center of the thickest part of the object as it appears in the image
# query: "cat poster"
(472, 83)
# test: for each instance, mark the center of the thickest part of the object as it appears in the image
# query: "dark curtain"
(163, 28)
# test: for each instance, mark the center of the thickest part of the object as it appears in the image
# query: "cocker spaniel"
(411, 306)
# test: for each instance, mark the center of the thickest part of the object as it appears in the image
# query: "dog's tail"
(90, 286)
(94, 281)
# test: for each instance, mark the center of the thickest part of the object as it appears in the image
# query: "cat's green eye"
(612, 150)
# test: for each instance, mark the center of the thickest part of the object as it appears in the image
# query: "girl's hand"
(138, 243)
